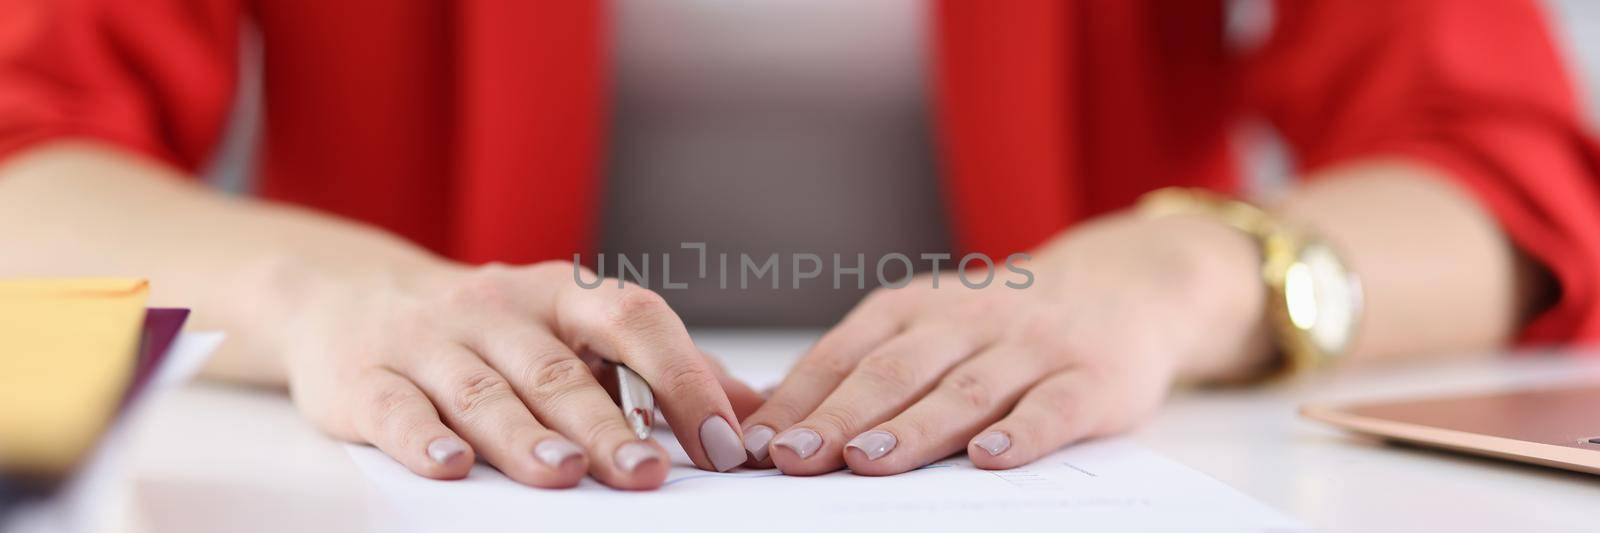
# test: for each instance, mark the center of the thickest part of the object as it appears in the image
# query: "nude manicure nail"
(874, 443)
(722, 445)
(755, 441)
(443, 449)
(803, 442)
(555, 452)
(994, 442)
(629, 456)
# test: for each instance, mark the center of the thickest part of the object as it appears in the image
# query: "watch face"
(1323, 299)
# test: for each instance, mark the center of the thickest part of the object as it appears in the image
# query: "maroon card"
(161, 328)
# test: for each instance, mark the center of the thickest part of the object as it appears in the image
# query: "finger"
(477, 402)
(887, 381)
(1058, 411)
(816, 375)
(971, 396)
(393, 415)
(563, 393)
(635, 326)
(745, 400)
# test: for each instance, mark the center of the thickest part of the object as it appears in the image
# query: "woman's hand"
(379, 340)
(1119, 308)
(499, 362)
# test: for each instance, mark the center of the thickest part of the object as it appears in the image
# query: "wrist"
(1225, 296)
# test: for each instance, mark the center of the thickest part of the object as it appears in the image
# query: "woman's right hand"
(499, 362)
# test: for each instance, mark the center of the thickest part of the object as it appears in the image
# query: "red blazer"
(476, 128)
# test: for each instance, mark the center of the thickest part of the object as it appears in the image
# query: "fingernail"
(443, 449)
(994, 442)
(555, 452)
(755, 441)
(874, 443)
(629, 456)
(803, 442)
(722, 445)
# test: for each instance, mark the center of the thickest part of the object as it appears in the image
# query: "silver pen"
(638, 403)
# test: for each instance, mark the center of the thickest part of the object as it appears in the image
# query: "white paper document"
(1112, 485)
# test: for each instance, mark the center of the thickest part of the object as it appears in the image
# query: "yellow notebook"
(68, 348)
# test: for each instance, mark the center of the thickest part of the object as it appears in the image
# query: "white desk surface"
(217, 458)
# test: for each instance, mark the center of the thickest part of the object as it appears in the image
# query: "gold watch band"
(1314, 301)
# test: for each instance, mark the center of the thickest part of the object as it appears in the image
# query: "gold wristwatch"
(1315, 302)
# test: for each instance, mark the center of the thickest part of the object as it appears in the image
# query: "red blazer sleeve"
(154, 76)
(1475, 88)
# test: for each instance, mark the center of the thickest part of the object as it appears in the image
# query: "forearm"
(245, 266)
(1439, 275)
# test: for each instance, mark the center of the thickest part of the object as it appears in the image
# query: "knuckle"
(830, 361)
(386, 402)
(638, 307)
(477, 390)
(783, 412)
(602, 429)
(684, 378)
(891, 372)
(976, 311)
(554, 375)
(920, 429)
(558, 271)
(489, 286)
(495, 268)
(409, 321)
(387, 415)
(882, 298)
(970, 390)
(556, 265)
(387, 407)
(1039, 326)
(1061, 405)
(1044, 332)
(840, 419)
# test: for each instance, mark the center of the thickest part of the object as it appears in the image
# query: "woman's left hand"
(1118, 309)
